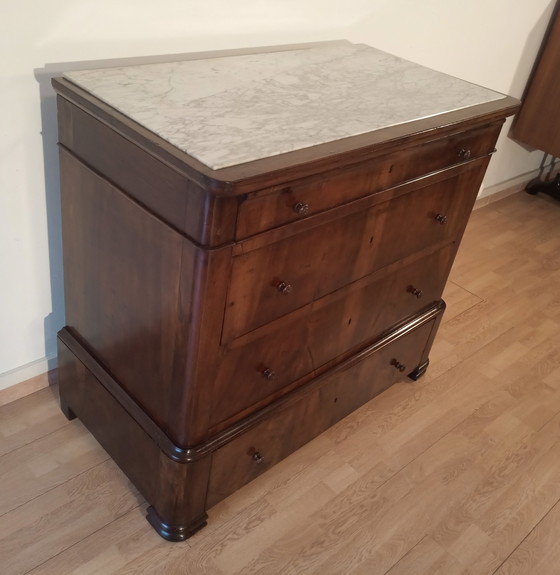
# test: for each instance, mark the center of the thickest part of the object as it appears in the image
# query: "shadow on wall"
(55, 320)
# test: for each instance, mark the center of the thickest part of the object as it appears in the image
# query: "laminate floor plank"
(445, 476)
(539, 552)
(105, 550)
(461, 391)
(29, 419)
(496, 508)
(46, 463)
(458, 300)
(425, 558)
(58, 519)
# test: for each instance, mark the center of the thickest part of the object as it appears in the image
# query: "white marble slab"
(230, 110)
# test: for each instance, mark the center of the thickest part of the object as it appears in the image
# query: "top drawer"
(283, 204)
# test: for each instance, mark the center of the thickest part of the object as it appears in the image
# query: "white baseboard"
(27, 371)
(518, 182)
(512, 186)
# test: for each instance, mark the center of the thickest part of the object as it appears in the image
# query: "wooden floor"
(456, 473)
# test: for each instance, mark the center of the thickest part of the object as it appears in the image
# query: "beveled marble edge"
(230, 110)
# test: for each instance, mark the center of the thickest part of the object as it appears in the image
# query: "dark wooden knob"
(268, 373)
(441, 219)
(464, 154)
(284, 288)
(398, 365)
(415, 291)
(301, 208)
(257, 457)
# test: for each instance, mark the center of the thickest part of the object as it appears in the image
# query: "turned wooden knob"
(301, 208)
(464, 153)
(284, 288)
(398, 365)
(268, 373)
(441, 219)
(257, 457)
(415, 291)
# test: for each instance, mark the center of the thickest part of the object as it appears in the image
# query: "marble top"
(229, 110)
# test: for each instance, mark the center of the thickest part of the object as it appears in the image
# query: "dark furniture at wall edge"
(538, 121)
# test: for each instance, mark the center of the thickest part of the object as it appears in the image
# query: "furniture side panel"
(128, 288)
(177, 491)
(125, 441)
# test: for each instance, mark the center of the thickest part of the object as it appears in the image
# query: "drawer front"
(259, 367)
(268, 209)
(335, 396)
(271, 281)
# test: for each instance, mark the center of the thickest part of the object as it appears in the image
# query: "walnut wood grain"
(352, 318)
(136, 288)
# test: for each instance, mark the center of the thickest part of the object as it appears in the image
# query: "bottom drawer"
(318, 407)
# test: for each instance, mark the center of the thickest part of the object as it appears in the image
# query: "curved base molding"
(419, 371)
(174, 532)
(181, 491)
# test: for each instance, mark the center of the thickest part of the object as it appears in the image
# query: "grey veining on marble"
(230, 110)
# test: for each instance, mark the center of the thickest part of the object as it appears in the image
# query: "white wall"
(493, 43)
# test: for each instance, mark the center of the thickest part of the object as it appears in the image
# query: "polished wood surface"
(457, 473)
(538, 121)
(270, 349)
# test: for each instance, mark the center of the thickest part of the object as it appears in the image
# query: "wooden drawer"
(273, 280)
(328, 400)
(260, 366)
(284, 204)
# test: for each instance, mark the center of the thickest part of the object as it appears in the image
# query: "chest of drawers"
(219, 317)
